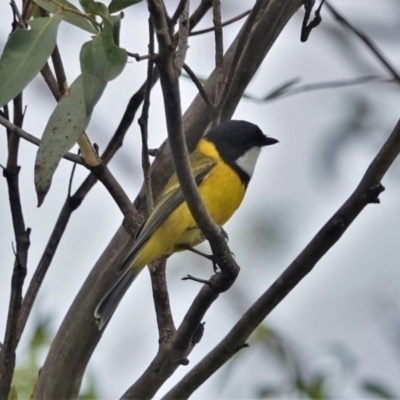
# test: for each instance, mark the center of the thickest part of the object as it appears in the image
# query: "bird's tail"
(110, 301)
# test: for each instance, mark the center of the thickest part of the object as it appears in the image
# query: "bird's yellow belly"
(222, 192)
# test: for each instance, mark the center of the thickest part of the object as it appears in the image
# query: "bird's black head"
(239, 144)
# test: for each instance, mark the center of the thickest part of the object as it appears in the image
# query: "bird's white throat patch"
(247, 162)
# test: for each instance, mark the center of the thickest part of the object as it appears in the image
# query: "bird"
(222, 164)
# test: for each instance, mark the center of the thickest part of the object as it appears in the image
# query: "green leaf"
(378, 390)
(71, 18)
(103, 11)
(13, 395)
(116, 27)
(118, 5)
(24, 55)
(269, 392)
(101, 62)
(95, 8)
(68, 120)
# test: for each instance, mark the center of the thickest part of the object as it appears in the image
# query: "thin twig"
(71, 178)
(277, 95)
(366, 40)
(143, 123)
(183, 36)
(33, 139)
(44, 263)
(59, 70)
(16, 12)
(367, 192)
(22, 234)
(228, 22)
(138, 57)
(219, 57)
(199, 13)
(51, 81)
(27, 10)
(178, 12)
(199, 86)
(239, 49)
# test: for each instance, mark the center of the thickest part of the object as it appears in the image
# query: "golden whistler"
(222, 164)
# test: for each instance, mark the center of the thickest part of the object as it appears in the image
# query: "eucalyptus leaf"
(116, 27)
(25, 54)
(71, 18)
(101, 62)
(95, 8)
(118, 5)
(68, 120)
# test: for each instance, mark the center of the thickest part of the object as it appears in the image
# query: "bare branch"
(199, 86)
(143, 123)
(219, 56)
(33, 139)
(183, 35)
(138, 57)
(366, 40)
(165, 322)
(51, 81)
(228, 22)
(11, 173)
(59, 70)
(183, 4)
(242, 41)
(366, 192)
(310, 87)
(199, 13)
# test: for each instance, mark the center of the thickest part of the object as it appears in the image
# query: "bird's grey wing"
(166, 204)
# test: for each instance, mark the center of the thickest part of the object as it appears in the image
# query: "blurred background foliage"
(32, 358)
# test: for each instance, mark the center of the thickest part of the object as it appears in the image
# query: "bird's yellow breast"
(222, 192)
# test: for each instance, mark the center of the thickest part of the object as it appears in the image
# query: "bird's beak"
(269, 140)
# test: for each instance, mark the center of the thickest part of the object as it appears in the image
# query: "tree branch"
(366, 192)
(143, 123)
(228, 22)
(199, 86)
(59, 70)
(33, 139)
(366, 40)
(165, 322)
(219, 57)
(11, 172)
